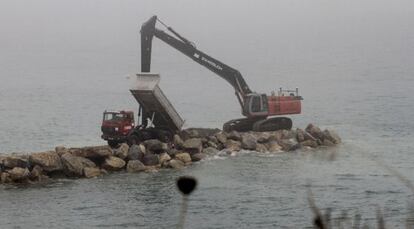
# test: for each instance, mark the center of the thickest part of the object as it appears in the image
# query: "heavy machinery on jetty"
(257, 108)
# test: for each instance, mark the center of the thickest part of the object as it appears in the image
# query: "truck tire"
(113, 144)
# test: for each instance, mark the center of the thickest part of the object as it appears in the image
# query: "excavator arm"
(231, 75)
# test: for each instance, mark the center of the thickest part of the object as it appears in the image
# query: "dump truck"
(157, 117)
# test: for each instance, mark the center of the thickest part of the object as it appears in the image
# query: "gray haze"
(62, 63)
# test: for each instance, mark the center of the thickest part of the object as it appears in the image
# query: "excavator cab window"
(258, 105)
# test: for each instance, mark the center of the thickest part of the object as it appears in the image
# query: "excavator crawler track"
(273, 124)
(240, 125)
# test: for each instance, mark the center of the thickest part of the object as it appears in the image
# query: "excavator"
(257, 108)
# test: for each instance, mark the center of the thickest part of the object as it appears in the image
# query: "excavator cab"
(256, 105)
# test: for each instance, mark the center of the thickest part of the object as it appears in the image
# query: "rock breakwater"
(189, 146)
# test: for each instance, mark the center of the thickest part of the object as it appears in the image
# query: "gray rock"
(172, 152)
(136, 152)
(178, 142)
(234, 135)
(198, 156)
(18, 174)
(49, 161)
(309, 143)
(314, 131)
(262, 137)
(261, 148)
(122, 151)
(5, 177)
(213, 139)
(273, 146)
(113, 163)
(326, 142)
(194, 145)
(248, 142)
(164, 157)
(300, 135)
(60, 150)
(91, 172)
(221, 137)
(288, 144)
(135, 166)
(74, 165)
(212, 144)
(288, 134)
(210, 151)
(198, 133)
(275, 136)
(176, 164)
(150, 159)
(332, 136)
(155, 146)
(15, 161)
(232, 145)
(36, 172)
(184, 157)
(92, 152)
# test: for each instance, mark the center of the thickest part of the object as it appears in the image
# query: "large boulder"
(155, 146)
(309, 143)
(122, 151)
(315, 131)
(234, 135)
(300, 135)
(273, 146)
(289, 144)
(212, 144)
(193, 145)
(210, 151)
(36, 172)
(74, 165)
(164, 158)
(178, 142)
(326, 142)
(5, 177)
(221, 137)
(176, 164)
(262, 137)
(184, 157)
(232, 145)
(91, 172)
(288, 134)
(49, 161)
(92, 152)
(275, 136)
(18, 174)
(113, 163)
(248, 142)
(136, 152)
(135, 166)
(198, 156)
(331, 136)
(150, 159)
(261, 148)
(15, 161)
(60, 150)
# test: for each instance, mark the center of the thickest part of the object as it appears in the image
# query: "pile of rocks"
(188, 146)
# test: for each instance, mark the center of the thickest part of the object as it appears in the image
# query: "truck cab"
(116, 125)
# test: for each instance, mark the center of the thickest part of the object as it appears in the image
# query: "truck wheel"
(113, 144)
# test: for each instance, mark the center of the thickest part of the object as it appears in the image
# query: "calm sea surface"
(62, 63)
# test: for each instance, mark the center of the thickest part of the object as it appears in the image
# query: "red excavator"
(255, 106)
